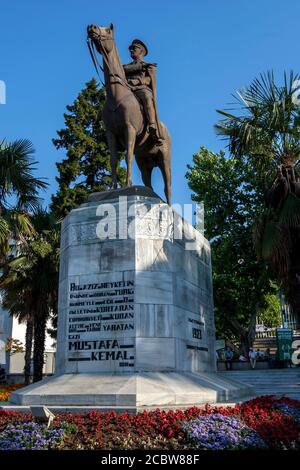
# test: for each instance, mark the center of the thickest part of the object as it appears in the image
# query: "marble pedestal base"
(135, 312)
(132, 391)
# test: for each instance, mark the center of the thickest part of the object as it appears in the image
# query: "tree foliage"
(86, 168)
(14, 346)
(30, 285)
(19, 191)
(269, 312)
(266, 134)
(231, 198)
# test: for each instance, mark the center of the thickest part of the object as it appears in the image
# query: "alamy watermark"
(2, 92)
(296, 352)
(127, 219)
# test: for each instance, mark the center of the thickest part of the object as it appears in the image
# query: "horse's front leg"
(114, 157)
(130, 144)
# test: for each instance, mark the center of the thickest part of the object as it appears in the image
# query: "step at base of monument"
(120, 409)
(276, 382)
(132, 391)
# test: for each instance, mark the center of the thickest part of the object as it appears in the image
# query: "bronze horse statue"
(124, 119)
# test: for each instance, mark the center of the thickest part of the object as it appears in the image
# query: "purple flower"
(30, 436)
(288, 410)
(219, 432)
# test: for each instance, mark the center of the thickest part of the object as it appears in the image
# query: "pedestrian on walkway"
(252, 357)
(228, 358)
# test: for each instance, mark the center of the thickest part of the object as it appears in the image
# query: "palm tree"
(267, 133)
(33, 274)
(17, 299)
(18, 191)
(18, 196)
(18, 201)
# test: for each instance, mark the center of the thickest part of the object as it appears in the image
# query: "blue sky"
(205, 50)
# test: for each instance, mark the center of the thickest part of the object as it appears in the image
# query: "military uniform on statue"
(141, 76)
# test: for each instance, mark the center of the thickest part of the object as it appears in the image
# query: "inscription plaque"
(101, 323)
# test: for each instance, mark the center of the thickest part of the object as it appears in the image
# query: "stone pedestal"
(135, 323)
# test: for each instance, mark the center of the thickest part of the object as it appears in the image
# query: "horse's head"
(103, 37)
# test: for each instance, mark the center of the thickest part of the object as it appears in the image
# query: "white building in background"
(14, 364)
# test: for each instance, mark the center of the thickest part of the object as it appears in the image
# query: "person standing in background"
(252, 357)
(228, 358)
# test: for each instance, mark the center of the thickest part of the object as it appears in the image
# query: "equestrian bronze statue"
(130, 112)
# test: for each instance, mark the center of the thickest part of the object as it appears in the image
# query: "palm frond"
(290, 211)
(4, 229)
(275, 246)
(20, 225)
(267, 117)
(271, 241)
(4, 237)
(16, 170)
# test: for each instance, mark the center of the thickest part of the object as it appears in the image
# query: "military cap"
(138, 42)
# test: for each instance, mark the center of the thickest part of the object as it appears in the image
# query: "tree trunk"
(28, 349)
(247, 336)
(39, 346)
(252, 326)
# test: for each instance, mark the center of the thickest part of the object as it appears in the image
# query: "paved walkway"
(270, 381)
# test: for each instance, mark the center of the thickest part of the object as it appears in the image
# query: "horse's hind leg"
(165, 167)
(146, 175)
(114, 157)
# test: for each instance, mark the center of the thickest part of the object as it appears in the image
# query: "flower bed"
(218, 432)
(263, 423)
(30, 436)
(5, 391)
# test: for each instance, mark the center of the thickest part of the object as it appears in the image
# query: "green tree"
(269, 312)
(14, 346)
(266, 134)
(231, 200)
(86, 168)
(18, 191)
(19, 198)
(30, 285)
(17, 300)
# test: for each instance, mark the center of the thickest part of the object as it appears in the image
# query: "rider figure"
(140, 76)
